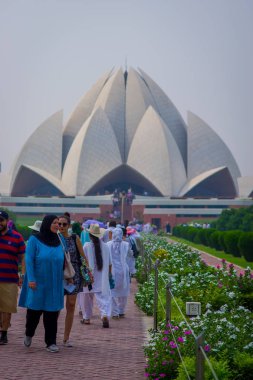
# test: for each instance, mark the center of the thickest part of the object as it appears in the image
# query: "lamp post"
(122, 196)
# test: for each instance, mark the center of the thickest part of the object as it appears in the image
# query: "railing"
(201, 356)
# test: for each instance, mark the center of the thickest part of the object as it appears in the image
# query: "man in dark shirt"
(12, 249)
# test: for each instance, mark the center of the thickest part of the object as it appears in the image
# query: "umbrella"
(88, 222)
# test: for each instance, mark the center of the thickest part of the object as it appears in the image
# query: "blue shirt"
(44, 265)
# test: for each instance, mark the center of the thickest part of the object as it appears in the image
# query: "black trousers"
(49, 321)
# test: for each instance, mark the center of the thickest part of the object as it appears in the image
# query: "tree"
(236, 219)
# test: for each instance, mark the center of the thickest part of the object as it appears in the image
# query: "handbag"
(86, 275)
(69, 270)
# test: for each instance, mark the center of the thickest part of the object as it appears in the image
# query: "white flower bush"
(226, 322)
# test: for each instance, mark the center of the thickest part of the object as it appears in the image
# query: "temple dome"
(125, 131)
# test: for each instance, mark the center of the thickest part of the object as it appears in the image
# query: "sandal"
(105, 322)
(85, 321)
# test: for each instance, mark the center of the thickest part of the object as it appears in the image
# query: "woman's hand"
(32, 285)
(21, 279)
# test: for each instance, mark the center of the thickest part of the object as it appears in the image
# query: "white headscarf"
(105, 237)
(117, 235)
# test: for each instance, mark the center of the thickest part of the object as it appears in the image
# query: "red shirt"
(11, 246)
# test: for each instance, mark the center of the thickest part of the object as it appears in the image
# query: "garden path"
(98, 353)
(213, 260)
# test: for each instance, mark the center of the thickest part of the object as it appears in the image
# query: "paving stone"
(98, 353)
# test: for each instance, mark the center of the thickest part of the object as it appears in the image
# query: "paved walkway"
(108, 354)
(212, 260)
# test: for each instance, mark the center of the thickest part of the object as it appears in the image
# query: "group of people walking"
(42, 277)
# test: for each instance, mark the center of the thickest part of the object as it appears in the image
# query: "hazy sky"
(200, 52)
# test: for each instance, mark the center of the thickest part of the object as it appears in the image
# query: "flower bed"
(226, 319)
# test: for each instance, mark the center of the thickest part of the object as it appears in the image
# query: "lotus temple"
(124, 133)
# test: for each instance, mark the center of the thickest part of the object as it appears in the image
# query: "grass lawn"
(28, 220)
(221, 254)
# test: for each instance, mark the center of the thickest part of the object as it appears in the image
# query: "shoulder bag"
(68, 271)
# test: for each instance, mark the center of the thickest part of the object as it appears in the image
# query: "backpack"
(134, 247)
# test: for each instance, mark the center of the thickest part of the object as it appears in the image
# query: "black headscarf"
(45, 235)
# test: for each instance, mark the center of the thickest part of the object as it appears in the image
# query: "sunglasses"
(63, 224)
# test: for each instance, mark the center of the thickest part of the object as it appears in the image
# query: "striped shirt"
(11, 246)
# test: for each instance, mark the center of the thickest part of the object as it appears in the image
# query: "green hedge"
(24, 231)
(246, 246)
(215, 240)
(231, 239)
(236, 242)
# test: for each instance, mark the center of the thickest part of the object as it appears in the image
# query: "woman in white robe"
(120, 251)
(98, 255)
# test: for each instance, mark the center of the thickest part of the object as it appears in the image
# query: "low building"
(160, 211)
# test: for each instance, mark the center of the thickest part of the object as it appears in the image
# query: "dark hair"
(64, 216)
(67, 214)
(112, 223)
(98, 254)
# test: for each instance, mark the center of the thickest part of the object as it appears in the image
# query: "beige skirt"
(8, 297)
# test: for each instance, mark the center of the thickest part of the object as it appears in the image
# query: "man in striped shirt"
(12, 249)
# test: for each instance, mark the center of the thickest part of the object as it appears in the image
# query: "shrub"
(217, 299)
(161, 352)
(160, 254)
(208, 234)
(244, 365)
(221, 241)
(245, 281)
(190, 233)
(162, 233)
(215, 240)
(200, 237)
(220, 367)
(25, 231)
(246, 246)
(231, 239)
(226, 318)
(247, 300)
(145, 296)
(178, 231)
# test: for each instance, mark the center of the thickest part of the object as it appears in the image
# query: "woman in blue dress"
(42, 291)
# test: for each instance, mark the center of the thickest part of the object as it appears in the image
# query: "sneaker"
(67, 343)
(122, 315)
(3, 338)
(27, 341)
(52, 348)
(105, 322)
